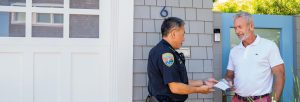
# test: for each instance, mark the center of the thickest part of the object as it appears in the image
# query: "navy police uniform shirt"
(165, 65)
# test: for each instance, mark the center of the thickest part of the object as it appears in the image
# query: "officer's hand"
(205, 89)
(211, 81)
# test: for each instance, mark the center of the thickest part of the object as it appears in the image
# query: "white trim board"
(122, 50)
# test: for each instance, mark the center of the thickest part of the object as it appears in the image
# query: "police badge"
(168, 59)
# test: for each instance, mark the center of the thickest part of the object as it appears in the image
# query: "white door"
(60, 52)
(52, 71)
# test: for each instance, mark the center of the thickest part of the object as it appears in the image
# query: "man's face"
(242, 28)
(178, 37)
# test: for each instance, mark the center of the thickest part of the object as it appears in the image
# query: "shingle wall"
(198, 17)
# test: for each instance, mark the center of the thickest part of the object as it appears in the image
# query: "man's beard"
(244, 37)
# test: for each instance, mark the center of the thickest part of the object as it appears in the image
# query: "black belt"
(251, 97)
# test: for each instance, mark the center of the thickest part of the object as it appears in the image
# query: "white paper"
(222, 84)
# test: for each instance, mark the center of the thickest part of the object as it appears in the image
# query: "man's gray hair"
(247, 16)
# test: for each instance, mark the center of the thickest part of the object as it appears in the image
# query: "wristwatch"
(203, 82)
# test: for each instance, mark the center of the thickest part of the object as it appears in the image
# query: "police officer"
(168, 81)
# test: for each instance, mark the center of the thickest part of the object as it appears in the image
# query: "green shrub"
(273, 7)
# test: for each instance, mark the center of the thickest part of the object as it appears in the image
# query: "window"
(17, 17)
(12, 24)
(84, 4)
(84, 26)
(47, 25)
(58, 18)
(20, 3)
(43, 18)
(48, 19)
(268, 33)
(82, 23)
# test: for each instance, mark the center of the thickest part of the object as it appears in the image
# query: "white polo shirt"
(252, 66)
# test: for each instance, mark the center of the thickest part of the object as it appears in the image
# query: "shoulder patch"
(168, 59)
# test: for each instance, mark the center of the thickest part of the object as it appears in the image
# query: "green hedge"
(273, 7)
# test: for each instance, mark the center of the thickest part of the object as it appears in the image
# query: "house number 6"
(164, 12)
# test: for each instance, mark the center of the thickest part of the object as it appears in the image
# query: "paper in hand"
(222, 84)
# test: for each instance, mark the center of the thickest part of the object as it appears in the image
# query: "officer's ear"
(173, 33)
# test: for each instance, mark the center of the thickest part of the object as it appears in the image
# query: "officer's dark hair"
(170, 23)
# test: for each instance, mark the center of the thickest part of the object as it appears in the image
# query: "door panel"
(47, 77)
(86, 77)
(11, 77)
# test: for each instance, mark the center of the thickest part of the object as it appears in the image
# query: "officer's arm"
(209, 81)
(181, 88)
(196, 82)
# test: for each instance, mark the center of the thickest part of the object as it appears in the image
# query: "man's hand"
(229, 78)
(230, 83)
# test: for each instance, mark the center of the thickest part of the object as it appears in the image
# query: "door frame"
(120, 20)
(287, 45)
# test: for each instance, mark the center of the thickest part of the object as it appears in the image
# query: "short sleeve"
(168, 68)
(274, 56)
(230, 65)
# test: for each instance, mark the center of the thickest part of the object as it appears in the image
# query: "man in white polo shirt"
(253, 63)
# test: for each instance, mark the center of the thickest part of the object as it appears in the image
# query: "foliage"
(273, 7)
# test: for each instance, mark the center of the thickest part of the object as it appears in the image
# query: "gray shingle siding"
(199, 39)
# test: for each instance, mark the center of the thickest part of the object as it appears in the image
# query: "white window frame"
(13, 14)
(47, 5)
(14, 21)
(18, 4)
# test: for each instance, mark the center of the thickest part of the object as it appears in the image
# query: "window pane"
(84, 26)
(13, 3)
(19, 16)
(10, 28)
(48, 3)
(58, 18)
(47, 29)
(43, 18)
(267, 33)
(84, 4)
(271, 34)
